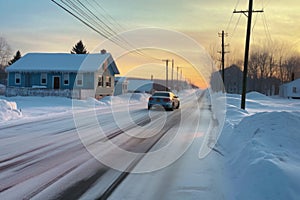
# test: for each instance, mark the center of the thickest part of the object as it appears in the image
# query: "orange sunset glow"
(44, 27)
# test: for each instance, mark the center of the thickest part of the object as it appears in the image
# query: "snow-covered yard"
(258, 158)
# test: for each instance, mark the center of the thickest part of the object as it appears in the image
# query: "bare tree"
(213, 52)
(5, 53)
(291, 65)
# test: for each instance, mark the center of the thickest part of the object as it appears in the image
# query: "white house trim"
(43, 76)
(18, 76)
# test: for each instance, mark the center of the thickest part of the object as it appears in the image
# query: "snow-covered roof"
(140, 85)
(62, 62)
(121, 79)
(294, 83)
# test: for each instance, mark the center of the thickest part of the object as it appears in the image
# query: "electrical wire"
(110, 18)
(231, 17)
(235, 27)
(85, 15)
(253, 26)
(266, 27)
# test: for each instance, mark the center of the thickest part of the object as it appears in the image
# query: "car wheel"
(178, 105)
(149, 107)
(172, 108)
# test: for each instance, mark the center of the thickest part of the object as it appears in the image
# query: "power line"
(235, 27)
(266, 27)
(112, 19)
(231, 17)
(253, 39)
(85, 15)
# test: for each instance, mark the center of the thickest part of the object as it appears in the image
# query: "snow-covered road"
(57, 158)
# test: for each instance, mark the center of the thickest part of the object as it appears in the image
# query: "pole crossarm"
(245, 12)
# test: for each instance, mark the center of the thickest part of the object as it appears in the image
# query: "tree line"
(270, 65)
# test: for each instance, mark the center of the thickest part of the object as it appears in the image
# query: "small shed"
(290, 90)
(61, 74)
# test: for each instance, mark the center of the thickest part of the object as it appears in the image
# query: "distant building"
(234, 82)
(290, 90)
(140, 85)
(121, 86)
(233, 79)
(60, 74)
(136, 85)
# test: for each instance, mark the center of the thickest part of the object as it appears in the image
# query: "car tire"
(149, 107)
(172, 108)
(178, 105)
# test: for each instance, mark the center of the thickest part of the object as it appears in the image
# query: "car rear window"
(161, 94)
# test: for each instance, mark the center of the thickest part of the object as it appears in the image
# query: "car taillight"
(150, 99)
(167, 100)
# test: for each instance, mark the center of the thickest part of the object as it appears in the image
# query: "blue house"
(60, 74)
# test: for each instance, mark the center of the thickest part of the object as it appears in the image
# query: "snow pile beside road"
(125, 99)
(262, 149)
(9, 110)
(264, 158)
(33, 106)
(257, 96)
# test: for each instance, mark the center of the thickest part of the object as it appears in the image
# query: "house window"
(43, 79)
(100, 81)
(79, 80)
(66, 79)
(17, 79)
(108, 81)
(294, 90)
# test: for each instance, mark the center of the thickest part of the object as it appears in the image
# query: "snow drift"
(261, 150)
(9, 110)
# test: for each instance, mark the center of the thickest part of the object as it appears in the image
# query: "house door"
(56, 82)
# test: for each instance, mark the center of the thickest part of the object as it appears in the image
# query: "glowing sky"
(41, 26)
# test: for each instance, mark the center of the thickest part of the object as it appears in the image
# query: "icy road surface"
(58, 158)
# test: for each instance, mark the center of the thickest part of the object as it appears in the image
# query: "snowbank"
(8, 110)
(125, 99)
(33, 107)
(257, 96)
(264, 158)
(261, 147)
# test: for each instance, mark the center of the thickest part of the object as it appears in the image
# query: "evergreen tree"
(16, 57)
(79, 48)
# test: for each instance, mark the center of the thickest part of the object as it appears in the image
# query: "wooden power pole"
(167, 66)
(223, 52)
(247, 46)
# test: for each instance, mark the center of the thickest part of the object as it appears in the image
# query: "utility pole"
(177, 83)
(223, 52)
(167, 66)
(172, 83)
(247, 46)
